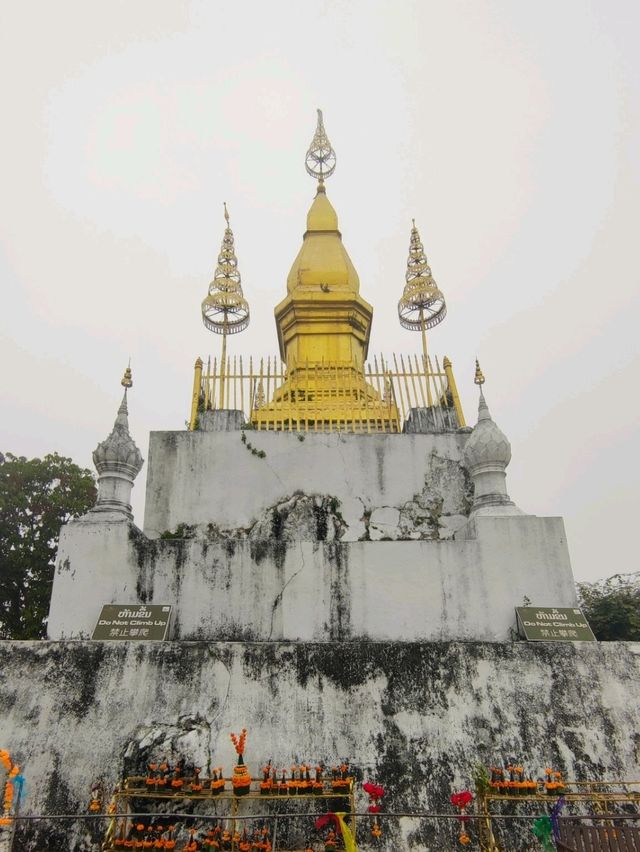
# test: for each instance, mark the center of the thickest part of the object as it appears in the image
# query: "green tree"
(37, 496)
(612, 607)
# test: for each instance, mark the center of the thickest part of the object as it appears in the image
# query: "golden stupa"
(323, 328)
(323, 382)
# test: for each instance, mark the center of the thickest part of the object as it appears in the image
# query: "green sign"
(131, 622)
(553, 624)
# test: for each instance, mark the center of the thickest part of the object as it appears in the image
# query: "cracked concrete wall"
(384, 486)
(413, 716)
(266, 589)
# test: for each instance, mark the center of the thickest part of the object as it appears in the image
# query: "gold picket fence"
(329, 397)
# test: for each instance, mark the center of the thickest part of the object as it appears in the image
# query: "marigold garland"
(13, 771)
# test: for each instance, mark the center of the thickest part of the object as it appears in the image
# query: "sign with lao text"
(553, 624)
(133, 621)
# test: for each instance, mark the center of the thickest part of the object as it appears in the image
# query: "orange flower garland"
(9, 788)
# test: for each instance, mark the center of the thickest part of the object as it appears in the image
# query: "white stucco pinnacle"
(486, 455)
(487, 443)
(118, 461)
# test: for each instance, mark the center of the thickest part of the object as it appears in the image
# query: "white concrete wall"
(211, 477)
(317, 591)
(413, 717)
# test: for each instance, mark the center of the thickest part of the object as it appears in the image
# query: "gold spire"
(324, 325)
(320, 160)
(224, 309)
(478, 379)
(322, 265)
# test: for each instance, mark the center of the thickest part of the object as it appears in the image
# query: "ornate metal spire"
(422, 304)
(478, 379)
(320, 160)
(225, 310)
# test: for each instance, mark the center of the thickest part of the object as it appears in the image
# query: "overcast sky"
(510, 130)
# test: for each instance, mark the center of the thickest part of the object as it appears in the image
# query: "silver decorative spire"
(118, 461)
(486, 455)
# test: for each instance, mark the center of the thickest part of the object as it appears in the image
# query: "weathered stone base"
(414, 717)
(273, 589)
(233, 479)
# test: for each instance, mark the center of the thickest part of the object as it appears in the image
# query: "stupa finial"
(320, 160)
(483, 408)
(126, 381)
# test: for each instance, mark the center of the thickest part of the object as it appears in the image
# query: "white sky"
(510, 130)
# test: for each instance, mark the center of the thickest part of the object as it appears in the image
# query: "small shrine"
(215, 811)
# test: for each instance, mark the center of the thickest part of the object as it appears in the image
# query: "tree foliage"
(37, 496)
(612, 607)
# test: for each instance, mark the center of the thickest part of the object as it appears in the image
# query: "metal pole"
(223, 365)
(423, 329)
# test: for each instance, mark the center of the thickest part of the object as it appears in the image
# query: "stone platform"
(275, 589)
(313, 537)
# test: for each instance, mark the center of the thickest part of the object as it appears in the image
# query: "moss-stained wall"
(273, 588)
(383, 486)
(413, 716)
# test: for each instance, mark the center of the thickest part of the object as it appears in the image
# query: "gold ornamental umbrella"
(422, 305)
(224, 309)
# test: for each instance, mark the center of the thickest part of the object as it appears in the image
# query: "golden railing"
(329, 397)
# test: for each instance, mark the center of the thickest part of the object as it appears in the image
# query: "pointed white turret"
(486, 455)
(118, 461)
